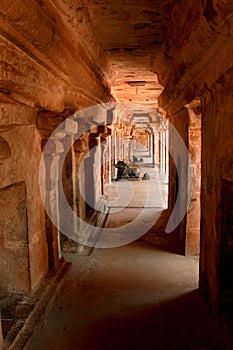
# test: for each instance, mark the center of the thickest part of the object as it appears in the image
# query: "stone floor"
(141, 296)
(133, 207)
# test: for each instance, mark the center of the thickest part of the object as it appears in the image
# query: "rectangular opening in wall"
(14, 267)
(226, 262)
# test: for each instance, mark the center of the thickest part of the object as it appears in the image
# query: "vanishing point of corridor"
(116, 174)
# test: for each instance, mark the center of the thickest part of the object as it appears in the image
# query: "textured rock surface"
(192, 244)
(194, 47)
(19, 164)
(14, 240)
(217, 167)
(56, 58)
(133, 35)
(51, 65)
(56, 68)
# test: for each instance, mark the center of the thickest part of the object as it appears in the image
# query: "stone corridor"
(113, 114)
(140, 296)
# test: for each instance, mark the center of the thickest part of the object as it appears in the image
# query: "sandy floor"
(138, 296)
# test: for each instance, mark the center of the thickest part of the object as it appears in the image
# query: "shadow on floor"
(157, 238)
(179, 324)
(176, 324)
(136, 297)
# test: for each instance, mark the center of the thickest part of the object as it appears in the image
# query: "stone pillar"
(80, 149)
(178, 169)
(192, 246)
(167, 154)
(120, 145)
(106, 161)
(114, 155)
(51, 158)
(164, 147)
(131, 149)
(116, 146)
(162, 151)
(149, 144)
(155, 145)
(126, 148)
(93, 172)
(103, 164)
(109, 159)
(153, 149)
(58, 177)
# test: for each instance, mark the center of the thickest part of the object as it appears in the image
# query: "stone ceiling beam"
(40, 67)
(195, 54)
(133, 37)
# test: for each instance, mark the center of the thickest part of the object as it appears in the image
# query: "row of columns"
(80, 168)
(164, 149)
(155, 141)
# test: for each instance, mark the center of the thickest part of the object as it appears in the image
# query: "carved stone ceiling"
(132, 33)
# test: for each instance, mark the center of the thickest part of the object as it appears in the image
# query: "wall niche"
(14, 251)
(5, 151)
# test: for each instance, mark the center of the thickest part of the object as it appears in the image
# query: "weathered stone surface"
(178, 170)
(133, 37)
(195, 55)
(5, 151)
(13, 220)
(16, 82)
(16, 114)
(217, 166)
(194, 181)
(75, 28)
(14, 239)
(80, 145)
(35, 72)
(48, 121)
(53, 64)
(23, 165)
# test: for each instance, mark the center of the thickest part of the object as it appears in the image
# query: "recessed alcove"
(14, 269)
(5, 150)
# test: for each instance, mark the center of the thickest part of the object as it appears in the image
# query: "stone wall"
(192, 243)
(217, 160)
(51, 66)
(178, 179)
(22, 167)
(199, 49)
(199, 36)
(43, 62)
